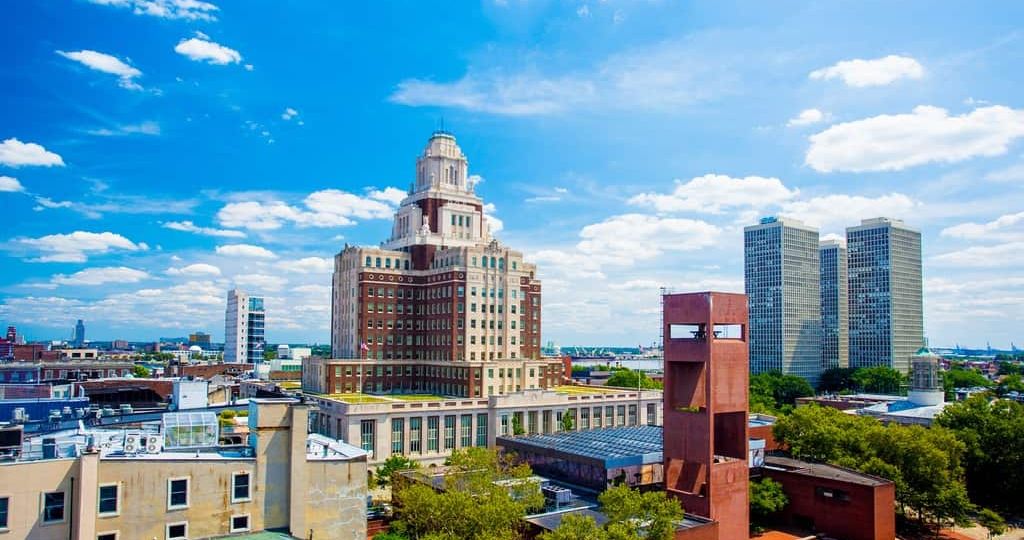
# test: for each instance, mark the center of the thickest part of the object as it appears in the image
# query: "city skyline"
(150, 162)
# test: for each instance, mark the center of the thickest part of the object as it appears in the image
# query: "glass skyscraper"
(885, 299)
(244, 331)
(782, 281)
(835, 345)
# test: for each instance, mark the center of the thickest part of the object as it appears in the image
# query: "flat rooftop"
(822, 470)
(610, 447)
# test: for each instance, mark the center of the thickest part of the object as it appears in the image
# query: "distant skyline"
(152, 159)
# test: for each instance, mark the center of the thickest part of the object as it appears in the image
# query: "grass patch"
(569, 389)
(357, 398)
(419, 397)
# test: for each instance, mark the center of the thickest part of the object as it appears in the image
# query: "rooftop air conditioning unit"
(154, 443)
(132, 443)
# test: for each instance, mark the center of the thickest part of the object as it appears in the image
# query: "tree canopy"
(632, 515)
(879, 379)
(627, 378)
(925, 464)
(993, 433)
(773, 392)
(766, 498)
(391, 465)
(471, 506)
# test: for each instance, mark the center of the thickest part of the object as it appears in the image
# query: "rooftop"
(822, 470)
(612, 447)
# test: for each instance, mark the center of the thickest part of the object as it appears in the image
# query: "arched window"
(501, 263)
(378, 262)
(493, 261)
(369, 262)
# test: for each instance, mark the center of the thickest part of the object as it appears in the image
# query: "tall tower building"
(244, 328)
(79, 338)
(835, 344)
(886, 313)
(782, 280)
(441, 287)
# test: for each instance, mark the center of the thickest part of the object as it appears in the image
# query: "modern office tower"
(835, 344)
(440, 288)
(79, 338)
(783, 283)
(706, 426)
(244, 328)
(886, 313)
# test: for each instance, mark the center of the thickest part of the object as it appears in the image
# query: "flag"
(363, 346)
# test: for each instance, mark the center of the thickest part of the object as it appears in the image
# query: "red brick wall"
(869, 514)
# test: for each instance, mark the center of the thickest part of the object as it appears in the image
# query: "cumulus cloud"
(644, 236)
(246, 250)
(197, 269)
(860, 73)
(836, 212)
(513, 95)
(289, 113)
(15, 153)
(389, 194)
(200, 49)
(893, 142)
(326, 208)
(78, 246)
(1013, 173)
(261, 282)
(806, 117)
(10, 185)
(715, 193)
(191, 10)
(106, 63)
(1002, 227)
(1009, 254)
(188, 226)
(101, 275)
(310, 265)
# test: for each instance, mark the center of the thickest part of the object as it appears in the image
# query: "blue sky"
(154, 153)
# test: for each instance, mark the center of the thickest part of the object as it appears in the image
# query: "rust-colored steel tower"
(706, 403)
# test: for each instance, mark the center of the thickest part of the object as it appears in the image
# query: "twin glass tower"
(818, 305)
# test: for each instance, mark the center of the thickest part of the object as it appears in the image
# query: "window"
(108, 500)
(652, 414)
(366, 430)
(4, 506)
(53, 507)
(177, 493)
(585, 418)
(240, 487)
(449, 432)
(466, 430)
(397, 435)
(240, 523)
(415, 434)
(177, 531)
(481, 430)
(107, 536)
(432, 425)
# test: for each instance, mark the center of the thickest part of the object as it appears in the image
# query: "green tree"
(270, 354)
(960, 377)
(567, 422)
(992, 432)
(576, 527)
(837, 380)
(473, 505)
(1007, 366)
(1010, 383)
(517, 425)
(773, 392)
(632, 514)
(766, 498)
(992, 521)
(879, 379)
(627, 378)
(391, 465)
(138, 370)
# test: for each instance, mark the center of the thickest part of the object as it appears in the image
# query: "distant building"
(12, 334)
(79, 339)
(119, 345)
(244, 328)
(782, 279)
(835, 320)
(199, 338)
(885, 297)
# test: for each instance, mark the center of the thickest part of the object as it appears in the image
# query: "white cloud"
(245, 250)
(493, 223)
(191, 10)
(77, 246)
(893, 142)
(836, 212)
(1009, 254)
(144, 128)
(876, 72)
(15, 153)
(543, 198)
(583, 11)
(807, 117)
(289, 113)
(260, 282)
(714, 193)
(201, 50)
(1013, 173)
(188, 226)
(389, 194)
(101, 275)
(515, 95)
(992, 230)
(310, 265)
(640, 236)
(326, 208)
(197, 269)
(10, 185)
(107, 64)
(833, 237)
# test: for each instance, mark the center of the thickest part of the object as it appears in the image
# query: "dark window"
(108, 499)
(178, 495)
(53, 506)
(241, 487)
(239, 523)
(4, 502)
(107, 536)
(177, 531)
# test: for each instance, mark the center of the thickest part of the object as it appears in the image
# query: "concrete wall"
(25, 483)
